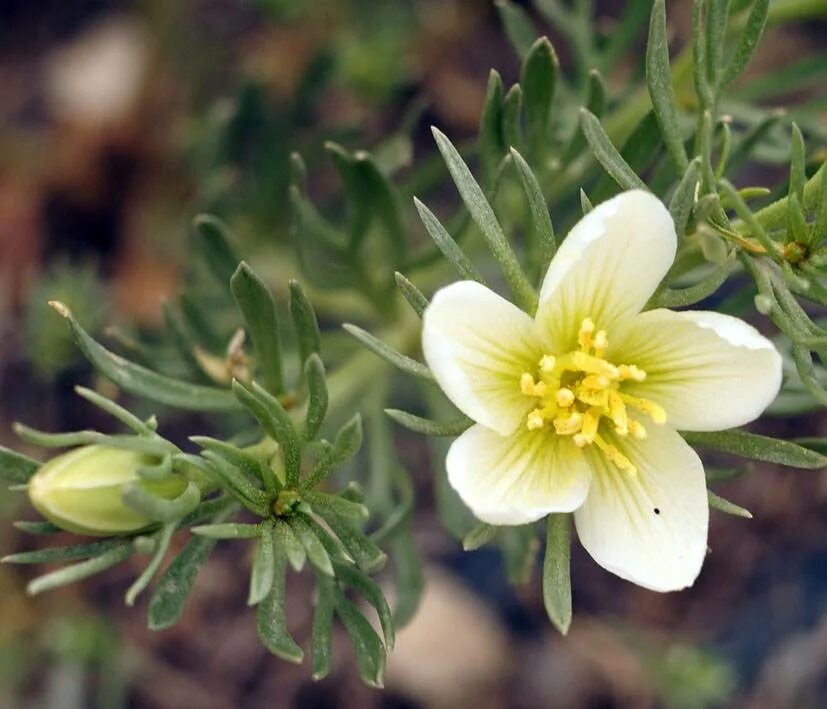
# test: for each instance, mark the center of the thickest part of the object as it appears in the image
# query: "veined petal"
(608, 266)
(649, 528)
(478, 344)
(517, 479)
(709, 371)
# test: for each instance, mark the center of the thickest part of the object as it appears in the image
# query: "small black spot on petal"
(657, 510)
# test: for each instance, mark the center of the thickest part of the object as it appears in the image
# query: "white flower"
(577, 408)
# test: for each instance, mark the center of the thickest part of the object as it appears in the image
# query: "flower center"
(580, 391)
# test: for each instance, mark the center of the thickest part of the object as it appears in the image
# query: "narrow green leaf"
(121, 414)
(216, 246)
(249, 464)
(483, 214)
(517, 25)
(512, 117)
(362, 583)
(543, 242)
(170, 595)
(348, 440)
(367, 555)
(479, 536)
(264, 567)
(538, 80)
(798, 164)
(271, 622)
(606, 153)
(227, 530)
(446, 244)
(410, 578)
(748, 40)
(317, 401)
(370, 653)
(316, 552)
(291, 544)
(491, 130)
(15, 467)
(164, 537)
(230, 478)
(416, 299)
(700, 60)
(586, 205)
(682, 297)
(757, 447)
(304, 320)
(556, 571)
(78, 572)
(683, 201)
(70, 553)
(716, 26)
(323, 627)
(337, 505)
(730, 508)
(36, 527)
(158, 471)
(143, 382)
(661, 91)
(256, 303)
(427, 427)
(386, 352)
(158, 509)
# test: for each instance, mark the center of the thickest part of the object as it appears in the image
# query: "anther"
(614, 455)
(584, 336)
(631, 371)
(637, 430)
(568, 425)
(547, 363)
(535, 420)
(564, 397)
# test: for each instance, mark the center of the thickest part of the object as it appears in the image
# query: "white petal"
(650, 528)
(608, 266)
(517, 479)
(478, 344)
(709, 371)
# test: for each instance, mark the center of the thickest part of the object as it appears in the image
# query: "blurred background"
(119, 121)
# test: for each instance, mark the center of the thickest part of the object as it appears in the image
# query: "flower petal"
(478, 344)
(650, 528)
(608, 266)
(709, 371)
(517, 479)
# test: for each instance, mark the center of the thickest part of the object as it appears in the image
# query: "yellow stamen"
(584, 336)
(547, 363)
(654, 411)
(617, 412)
(568, 425)
(588, 431)
(535, 420)
(637, 430)
(614, 455)
(564, 397)
(630, 371)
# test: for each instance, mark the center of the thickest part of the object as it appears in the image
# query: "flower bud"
(82, 490)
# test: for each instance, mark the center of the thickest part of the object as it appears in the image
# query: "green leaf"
(730, 508)
(158, 509)
(606, 153)
(249, 464)
(661, 91)
(543, 243)
(491, 136)
(427, 427)
(700, 60)
(338, 505)
(361, 582)
(757, 447)
(231, 479)
(121, 414)
(445, 243)
(36, 527)
(164, 537)
(386, 352)
(216, 246)
(586, 205)
(416, 299)
(15, 467)
(512, 119)
(410, 579)
(318, 400)
(322, 627)
(370, 653)
(291, 544)
(517, 25)
(271, 622)
(167, 602)
(479, 536)
(70, 553)
(716, 26)
(256, 303)
(483, 214)
(264, 567)
(227, 530)
(304, 320)
(78, 572)
(556, 571)
(538, 80)
(367, 555)
(682, 202)
(798, 164)
(144, 382)
(681, 297)
(348, 440)
(748, 40)
(315, 550)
